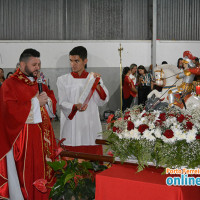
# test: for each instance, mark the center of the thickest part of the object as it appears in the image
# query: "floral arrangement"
(170, 138)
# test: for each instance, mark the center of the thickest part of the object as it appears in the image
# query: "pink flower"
(168, 133)
(130, 125)
(40, 185)
(142, 128)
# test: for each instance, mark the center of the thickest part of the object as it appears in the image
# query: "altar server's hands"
(80, 107)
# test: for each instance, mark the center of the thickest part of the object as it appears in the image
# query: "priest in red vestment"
(27, 138)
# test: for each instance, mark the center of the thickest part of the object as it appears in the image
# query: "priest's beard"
(29, 73)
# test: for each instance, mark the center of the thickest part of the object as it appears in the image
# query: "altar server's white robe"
(84, 127)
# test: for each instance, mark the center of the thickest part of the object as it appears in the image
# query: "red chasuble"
(33, 144)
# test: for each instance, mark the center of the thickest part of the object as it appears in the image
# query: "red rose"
(142, 128)
(158, 123)
(188, 117)
(127, 115)
(189, 125)
(162, 116)
(144, 115)
(168, 133)
(130, 125)
(115, 129)
(171, 115)
(180, 118)
(197, 137)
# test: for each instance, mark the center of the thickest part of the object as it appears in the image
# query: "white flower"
(120, 136)
(191, 136)
(137, 123)
(171, 121)
(158, 133)
(148, 135)
(168, 140)
(127, 134)
(151, 126)
(178, 133)
(135, 134)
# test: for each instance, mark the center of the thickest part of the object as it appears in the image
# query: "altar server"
(80, 124)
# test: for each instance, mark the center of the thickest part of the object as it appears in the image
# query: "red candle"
(198, 89)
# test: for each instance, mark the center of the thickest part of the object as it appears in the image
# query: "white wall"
(172, 50)
(54, 54)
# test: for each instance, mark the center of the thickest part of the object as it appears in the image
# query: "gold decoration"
(187, 73)
(120, 54)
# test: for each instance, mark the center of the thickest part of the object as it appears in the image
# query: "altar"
(122, 182)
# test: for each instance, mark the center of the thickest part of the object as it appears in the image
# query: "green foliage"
(73, 179)
(160, 153)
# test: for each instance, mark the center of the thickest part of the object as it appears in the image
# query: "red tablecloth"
(121, 182)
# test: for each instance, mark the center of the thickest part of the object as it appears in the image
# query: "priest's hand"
(80, 107)
(42, 98)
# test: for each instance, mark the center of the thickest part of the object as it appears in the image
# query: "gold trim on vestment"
(25, 159)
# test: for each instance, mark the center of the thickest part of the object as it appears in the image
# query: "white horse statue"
(169, 73)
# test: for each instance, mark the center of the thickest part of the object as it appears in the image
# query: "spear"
(120, 55)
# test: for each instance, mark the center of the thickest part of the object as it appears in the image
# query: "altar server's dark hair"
(80, 51)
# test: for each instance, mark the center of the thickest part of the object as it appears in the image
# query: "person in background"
(2, 78)
(164, 63)
(144, 84)
(17, 67)
(150, 70)
(133, 74)
(128, 89)
(9, 74)
(180, 64)
(80, 124)
(27, 138)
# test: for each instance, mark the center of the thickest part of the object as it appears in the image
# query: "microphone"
(39, 81)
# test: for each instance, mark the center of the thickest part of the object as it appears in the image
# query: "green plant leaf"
(57, 165)
(68, 177)
(58, 188)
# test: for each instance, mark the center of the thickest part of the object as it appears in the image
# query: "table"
(121, 182)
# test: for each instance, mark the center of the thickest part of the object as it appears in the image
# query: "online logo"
(183, 179)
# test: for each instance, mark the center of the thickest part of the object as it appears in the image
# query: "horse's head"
(159, 75)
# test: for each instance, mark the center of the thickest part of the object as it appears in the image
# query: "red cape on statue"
(32, 144)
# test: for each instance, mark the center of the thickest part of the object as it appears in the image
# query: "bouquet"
(170, 138)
